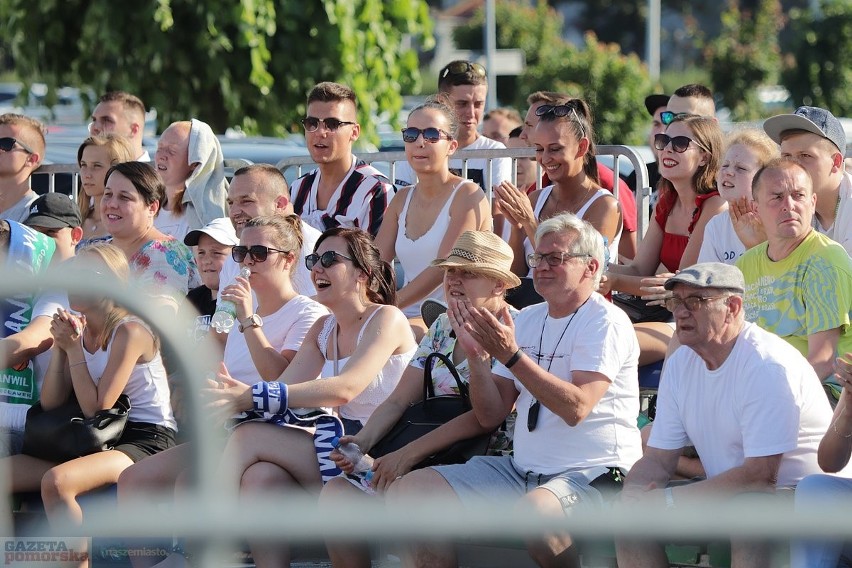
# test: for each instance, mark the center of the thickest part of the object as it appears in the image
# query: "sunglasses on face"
(433, 135)
(667, 116)
(312, 123)
(679, 143)
(326, 259)
(258, 253)
(8, 143)
(691, 303)
(462, 67)
(553, 258)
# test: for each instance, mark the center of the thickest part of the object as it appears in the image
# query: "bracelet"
(667, 492)
(513, 359)
(834, 425)
(83, 362)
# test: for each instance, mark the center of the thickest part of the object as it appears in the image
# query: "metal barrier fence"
(301, 163)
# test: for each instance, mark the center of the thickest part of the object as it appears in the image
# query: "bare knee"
(54, 486)
(262, 476)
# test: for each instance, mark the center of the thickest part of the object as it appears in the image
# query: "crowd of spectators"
(746, 263)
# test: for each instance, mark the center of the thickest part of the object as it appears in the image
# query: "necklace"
(535, 405)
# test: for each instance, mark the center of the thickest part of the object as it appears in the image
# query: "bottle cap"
(335, 442)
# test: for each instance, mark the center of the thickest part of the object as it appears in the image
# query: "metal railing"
(302, 163)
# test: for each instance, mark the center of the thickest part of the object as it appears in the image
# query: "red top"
(674, 245)
(625, 195)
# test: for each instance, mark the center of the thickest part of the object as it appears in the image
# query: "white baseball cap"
(220, 230)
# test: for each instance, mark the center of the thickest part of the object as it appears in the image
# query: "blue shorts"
(487, 477)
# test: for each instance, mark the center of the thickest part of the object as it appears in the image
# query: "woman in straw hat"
(478, 271)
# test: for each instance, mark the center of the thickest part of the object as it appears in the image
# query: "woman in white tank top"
(97, 356)
(424, 220)
(359, 351)
(562, 139)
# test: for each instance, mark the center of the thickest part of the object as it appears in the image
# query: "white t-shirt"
(841, 230)
(599, 337)
(302, 282)
(765, 399)
(170, 224)
(20, 210)
(501, 168)
(285, 329)
(721, 243)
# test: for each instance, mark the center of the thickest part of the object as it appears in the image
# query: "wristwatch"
(251, 321)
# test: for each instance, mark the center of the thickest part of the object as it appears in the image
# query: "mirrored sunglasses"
(430, 134)
(462, 67)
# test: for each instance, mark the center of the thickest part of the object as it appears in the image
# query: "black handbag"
(426, 415)
(64, 433)
(639, 311)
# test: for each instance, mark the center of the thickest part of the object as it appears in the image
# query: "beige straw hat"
(485, 252)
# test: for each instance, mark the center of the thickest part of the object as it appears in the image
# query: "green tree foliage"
(247, 63)
(745, 56)
(819, 71)
(613, 84)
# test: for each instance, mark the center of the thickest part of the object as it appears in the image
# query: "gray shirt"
(20, 210)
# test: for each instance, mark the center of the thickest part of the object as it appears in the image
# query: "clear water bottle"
(226, 311)
(363, 464)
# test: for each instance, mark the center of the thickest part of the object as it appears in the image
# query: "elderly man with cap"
(750, 404)
(569, 367)
(813, 137)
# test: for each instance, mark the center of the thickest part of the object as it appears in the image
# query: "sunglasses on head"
(8, 143)
(258, 253)
(679, 143)
(326, 259)
(561, 111)
(462, 67)
(430, 134)
(667, 116)
(311, 123)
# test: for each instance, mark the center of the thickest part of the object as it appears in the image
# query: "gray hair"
(589, 240)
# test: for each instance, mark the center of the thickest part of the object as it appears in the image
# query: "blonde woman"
(95, 156)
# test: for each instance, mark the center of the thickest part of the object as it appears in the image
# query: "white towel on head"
(206, 192)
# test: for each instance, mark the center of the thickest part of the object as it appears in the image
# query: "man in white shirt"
(569, 366)
(749, 402)
(342, 191)
(121, 113)
(21, 153)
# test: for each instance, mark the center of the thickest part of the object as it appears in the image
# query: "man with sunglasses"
(465, 84)
(689, 99)
(569, 366)
(21, 153)
(749, 403)
(342, 191)
(655, 105)
(798, 282)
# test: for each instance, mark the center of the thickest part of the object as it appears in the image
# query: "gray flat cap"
(709, 275)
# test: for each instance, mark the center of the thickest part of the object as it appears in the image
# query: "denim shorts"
(487, 477)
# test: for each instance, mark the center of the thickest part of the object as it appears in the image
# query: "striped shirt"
(359, 201)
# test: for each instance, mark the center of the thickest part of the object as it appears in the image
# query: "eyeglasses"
(667, 116)
(258, 253)
(691, 303)
(462, 67)
(560, 111)
(311, 123)
(553, 258)
(433, 135)
(679, 143)
(327, 258)
(8, 143)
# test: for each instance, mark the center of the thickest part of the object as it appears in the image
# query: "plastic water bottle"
(226, 312)
(362, 463)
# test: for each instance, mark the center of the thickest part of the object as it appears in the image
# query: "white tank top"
(416, 255)
(542, 199)
(362, 406)
(147, 388)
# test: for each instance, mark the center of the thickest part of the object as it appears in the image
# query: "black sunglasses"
(430, 134)
(462, 67)
(560, 111)
(311, 123)
(532, 416)
(258, 253)
(679, 143)
(327, 258)
(7, 143)
(667, 116)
